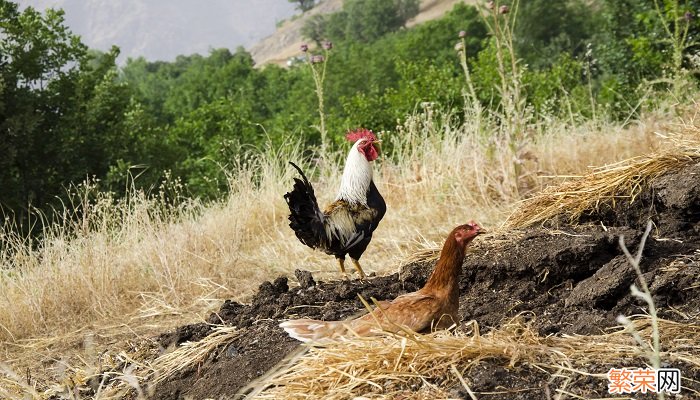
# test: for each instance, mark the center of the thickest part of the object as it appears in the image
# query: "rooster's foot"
(359, 269)
(341, 263)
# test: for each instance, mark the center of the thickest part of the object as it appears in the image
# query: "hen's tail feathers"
(311, 330)
(305, 217)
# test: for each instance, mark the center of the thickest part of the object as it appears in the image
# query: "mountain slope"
(284, 43)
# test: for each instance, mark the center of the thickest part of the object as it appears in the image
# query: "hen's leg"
(359, 269)
(341, 263)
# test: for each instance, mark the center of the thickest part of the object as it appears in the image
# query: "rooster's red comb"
(360, 133)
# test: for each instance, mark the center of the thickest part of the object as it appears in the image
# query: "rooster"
(347, 224)
(433, 307)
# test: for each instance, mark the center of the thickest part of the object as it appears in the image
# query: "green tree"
(316, 29)
(368, 20)
(304, 5)
(171, 90)
(38, 66)
(62, 109)
(362, 20)
(637, 49)
(545, 29)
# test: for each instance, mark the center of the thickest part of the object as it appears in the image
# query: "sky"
(164, 29)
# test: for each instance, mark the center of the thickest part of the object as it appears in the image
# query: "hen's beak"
(481, 231)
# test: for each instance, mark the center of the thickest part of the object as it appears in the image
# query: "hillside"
(284, 43)
(539, 307)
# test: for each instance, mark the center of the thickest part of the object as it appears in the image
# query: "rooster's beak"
(481, 231)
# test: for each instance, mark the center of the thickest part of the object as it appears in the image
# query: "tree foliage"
(361, 20)
(62, 107)
(304, 5)
(545, 29)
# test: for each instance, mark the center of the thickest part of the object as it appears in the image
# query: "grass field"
(136, 266)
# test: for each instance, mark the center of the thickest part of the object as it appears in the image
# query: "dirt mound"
(572, 280)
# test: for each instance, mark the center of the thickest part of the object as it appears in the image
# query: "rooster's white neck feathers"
(356, 177)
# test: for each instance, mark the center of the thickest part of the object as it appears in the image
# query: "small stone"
(306, 280)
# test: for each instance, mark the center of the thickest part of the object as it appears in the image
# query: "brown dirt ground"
(568, 279)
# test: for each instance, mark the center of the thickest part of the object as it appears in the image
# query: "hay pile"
(423, 366)
(607, 185)
(130, 373)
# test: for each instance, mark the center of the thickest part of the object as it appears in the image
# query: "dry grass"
(607, 185)
(141, 266)
(383, 367)
(407, 366)
(145, 365)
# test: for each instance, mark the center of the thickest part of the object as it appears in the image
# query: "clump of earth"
(573, 279)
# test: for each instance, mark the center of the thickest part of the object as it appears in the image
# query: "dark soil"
(574, 279)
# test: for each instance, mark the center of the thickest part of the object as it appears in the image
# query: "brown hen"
(433, 307)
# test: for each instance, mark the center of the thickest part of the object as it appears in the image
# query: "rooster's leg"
(341, 262)
(359, 269)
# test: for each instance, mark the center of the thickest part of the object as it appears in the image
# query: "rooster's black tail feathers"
(305, 217)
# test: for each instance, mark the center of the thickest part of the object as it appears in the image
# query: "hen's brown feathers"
(417, 311)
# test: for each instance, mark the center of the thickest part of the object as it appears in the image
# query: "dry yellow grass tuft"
(606, 185)
(383, 367)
